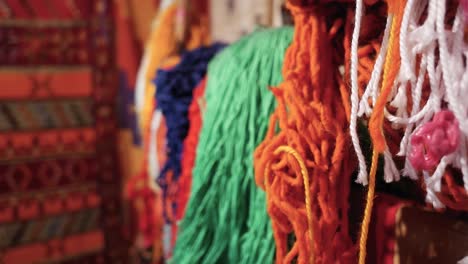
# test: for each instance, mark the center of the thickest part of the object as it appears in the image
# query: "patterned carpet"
(60, 189)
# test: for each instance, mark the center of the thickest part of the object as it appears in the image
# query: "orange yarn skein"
(305, 167)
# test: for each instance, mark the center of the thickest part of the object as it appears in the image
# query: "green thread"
(226, 219)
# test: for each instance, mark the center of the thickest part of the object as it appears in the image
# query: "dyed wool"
(144, 202)
(165, 41)
(417, 86)
(226, 220)
(414, 84)
(196, 110)
(305, 167)
(423, 77)
(161, 44)
(173, 97)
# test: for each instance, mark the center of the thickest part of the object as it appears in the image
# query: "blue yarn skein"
(173, 97)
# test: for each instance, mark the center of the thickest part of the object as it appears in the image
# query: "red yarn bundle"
(190, 147)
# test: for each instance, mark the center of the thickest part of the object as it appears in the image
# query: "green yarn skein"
(226, 219)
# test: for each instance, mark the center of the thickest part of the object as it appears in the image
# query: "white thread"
(463, 261)
(454, 74)
(432, 198)
(450, 83)
(416, 92)
(409, 171)
(362, 175)
(400, 101)
(153, 164)
(391, 172)
(373, 85)
(434, 182)
(140, 85)
(406, 73)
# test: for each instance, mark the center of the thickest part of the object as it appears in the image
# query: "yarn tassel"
(304, 163)
(173, 97)
(226, 220)
(195, 112)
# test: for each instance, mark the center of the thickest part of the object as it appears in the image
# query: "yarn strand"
(305, 177)
(368, 209)
(362, 174)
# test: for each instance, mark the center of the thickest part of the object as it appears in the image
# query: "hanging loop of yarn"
(306, 182)
(309, 119)
(189, 149)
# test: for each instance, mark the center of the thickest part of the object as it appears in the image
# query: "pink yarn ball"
(434, 140)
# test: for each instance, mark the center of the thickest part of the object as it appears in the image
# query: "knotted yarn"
(415, 92)
(428, 39)
(226, 219)
(304, 163)
(173, 98)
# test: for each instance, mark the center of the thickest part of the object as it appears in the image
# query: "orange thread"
(376, 122)
(391, 69)
(368, 210)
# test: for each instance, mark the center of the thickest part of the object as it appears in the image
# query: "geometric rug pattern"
(60, 187)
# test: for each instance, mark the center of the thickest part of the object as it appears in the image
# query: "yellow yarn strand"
(368, 209)
(305, 178)
(377, 118)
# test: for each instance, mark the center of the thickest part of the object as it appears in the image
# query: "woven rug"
(60, 193)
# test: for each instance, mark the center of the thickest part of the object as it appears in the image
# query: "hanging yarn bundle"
(196, 110)
(173, 97)
(305, 167)
(422, 65)
(414, 99)
(165, 41)
(161, 44)
(225, 220)
(162, 50)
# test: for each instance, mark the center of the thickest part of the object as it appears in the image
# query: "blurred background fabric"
(62, 65)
